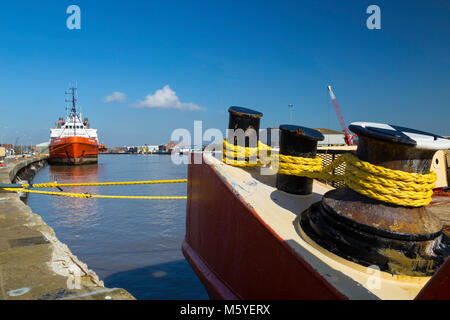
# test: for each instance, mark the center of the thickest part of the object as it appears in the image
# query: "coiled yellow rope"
(387, 185)
(245, 156)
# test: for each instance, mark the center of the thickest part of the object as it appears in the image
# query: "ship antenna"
(74, 110)
(73, 100)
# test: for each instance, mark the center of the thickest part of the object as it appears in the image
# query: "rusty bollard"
(298, 142)
(398, 239)
(246, 120)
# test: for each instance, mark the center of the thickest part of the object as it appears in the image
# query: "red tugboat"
(259, 236)
(73, 142)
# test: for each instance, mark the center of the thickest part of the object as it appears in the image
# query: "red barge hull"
(237, 255)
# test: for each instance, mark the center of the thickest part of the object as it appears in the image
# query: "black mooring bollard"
(248, 121)
(298, 142)
(398, 239)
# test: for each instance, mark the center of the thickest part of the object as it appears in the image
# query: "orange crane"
(348, 138)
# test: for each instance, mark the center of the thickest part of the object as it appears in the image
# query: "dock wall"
(34, 264)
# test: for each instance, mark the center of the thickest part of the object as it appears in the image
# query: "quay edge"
(34, 264)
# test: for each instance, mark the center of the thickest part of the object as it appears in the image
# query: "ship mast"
(73, 112)
(72, 92)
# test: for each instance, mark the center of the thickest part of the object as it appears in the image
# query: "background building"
(43, 147)
(332, 137)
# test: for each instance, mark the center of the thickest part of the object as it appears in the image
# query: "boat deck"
(279, 211)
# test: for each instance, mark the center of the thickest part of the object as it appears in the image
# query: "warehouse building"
(332, 137)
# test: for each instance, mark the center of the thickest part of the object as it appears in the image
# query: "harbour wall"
(34, 264)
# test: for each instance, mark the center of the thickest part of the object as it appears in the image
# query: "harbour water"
(130, 244)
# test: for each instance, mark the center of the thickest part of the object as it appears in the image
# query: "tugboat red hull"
(73, 151)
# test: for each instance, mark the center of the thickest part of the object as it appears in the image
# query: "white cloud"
(166, 98)
(115, 97)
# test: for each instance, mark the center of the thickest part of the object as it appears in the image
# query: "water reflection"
(162, 281)
(75, 211)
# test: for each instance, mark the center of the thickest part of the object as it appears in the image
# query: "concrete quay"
(34, 264)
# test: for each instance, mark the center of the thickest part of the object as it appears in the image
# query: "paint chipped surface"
(401, 264)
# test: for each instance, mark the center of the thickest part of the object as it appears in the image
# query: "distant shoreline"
(157, 153)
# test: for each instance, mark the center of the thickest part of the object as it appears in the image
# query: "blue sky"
(214, 54)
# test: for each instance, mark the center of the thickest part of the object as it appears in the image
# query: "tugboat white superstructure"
(73, 141)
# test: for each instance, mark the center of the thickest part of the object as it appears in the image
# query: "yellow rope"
(392, 186)
(245, 156)
(298, 166)
(87, 195)
(55, 184)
